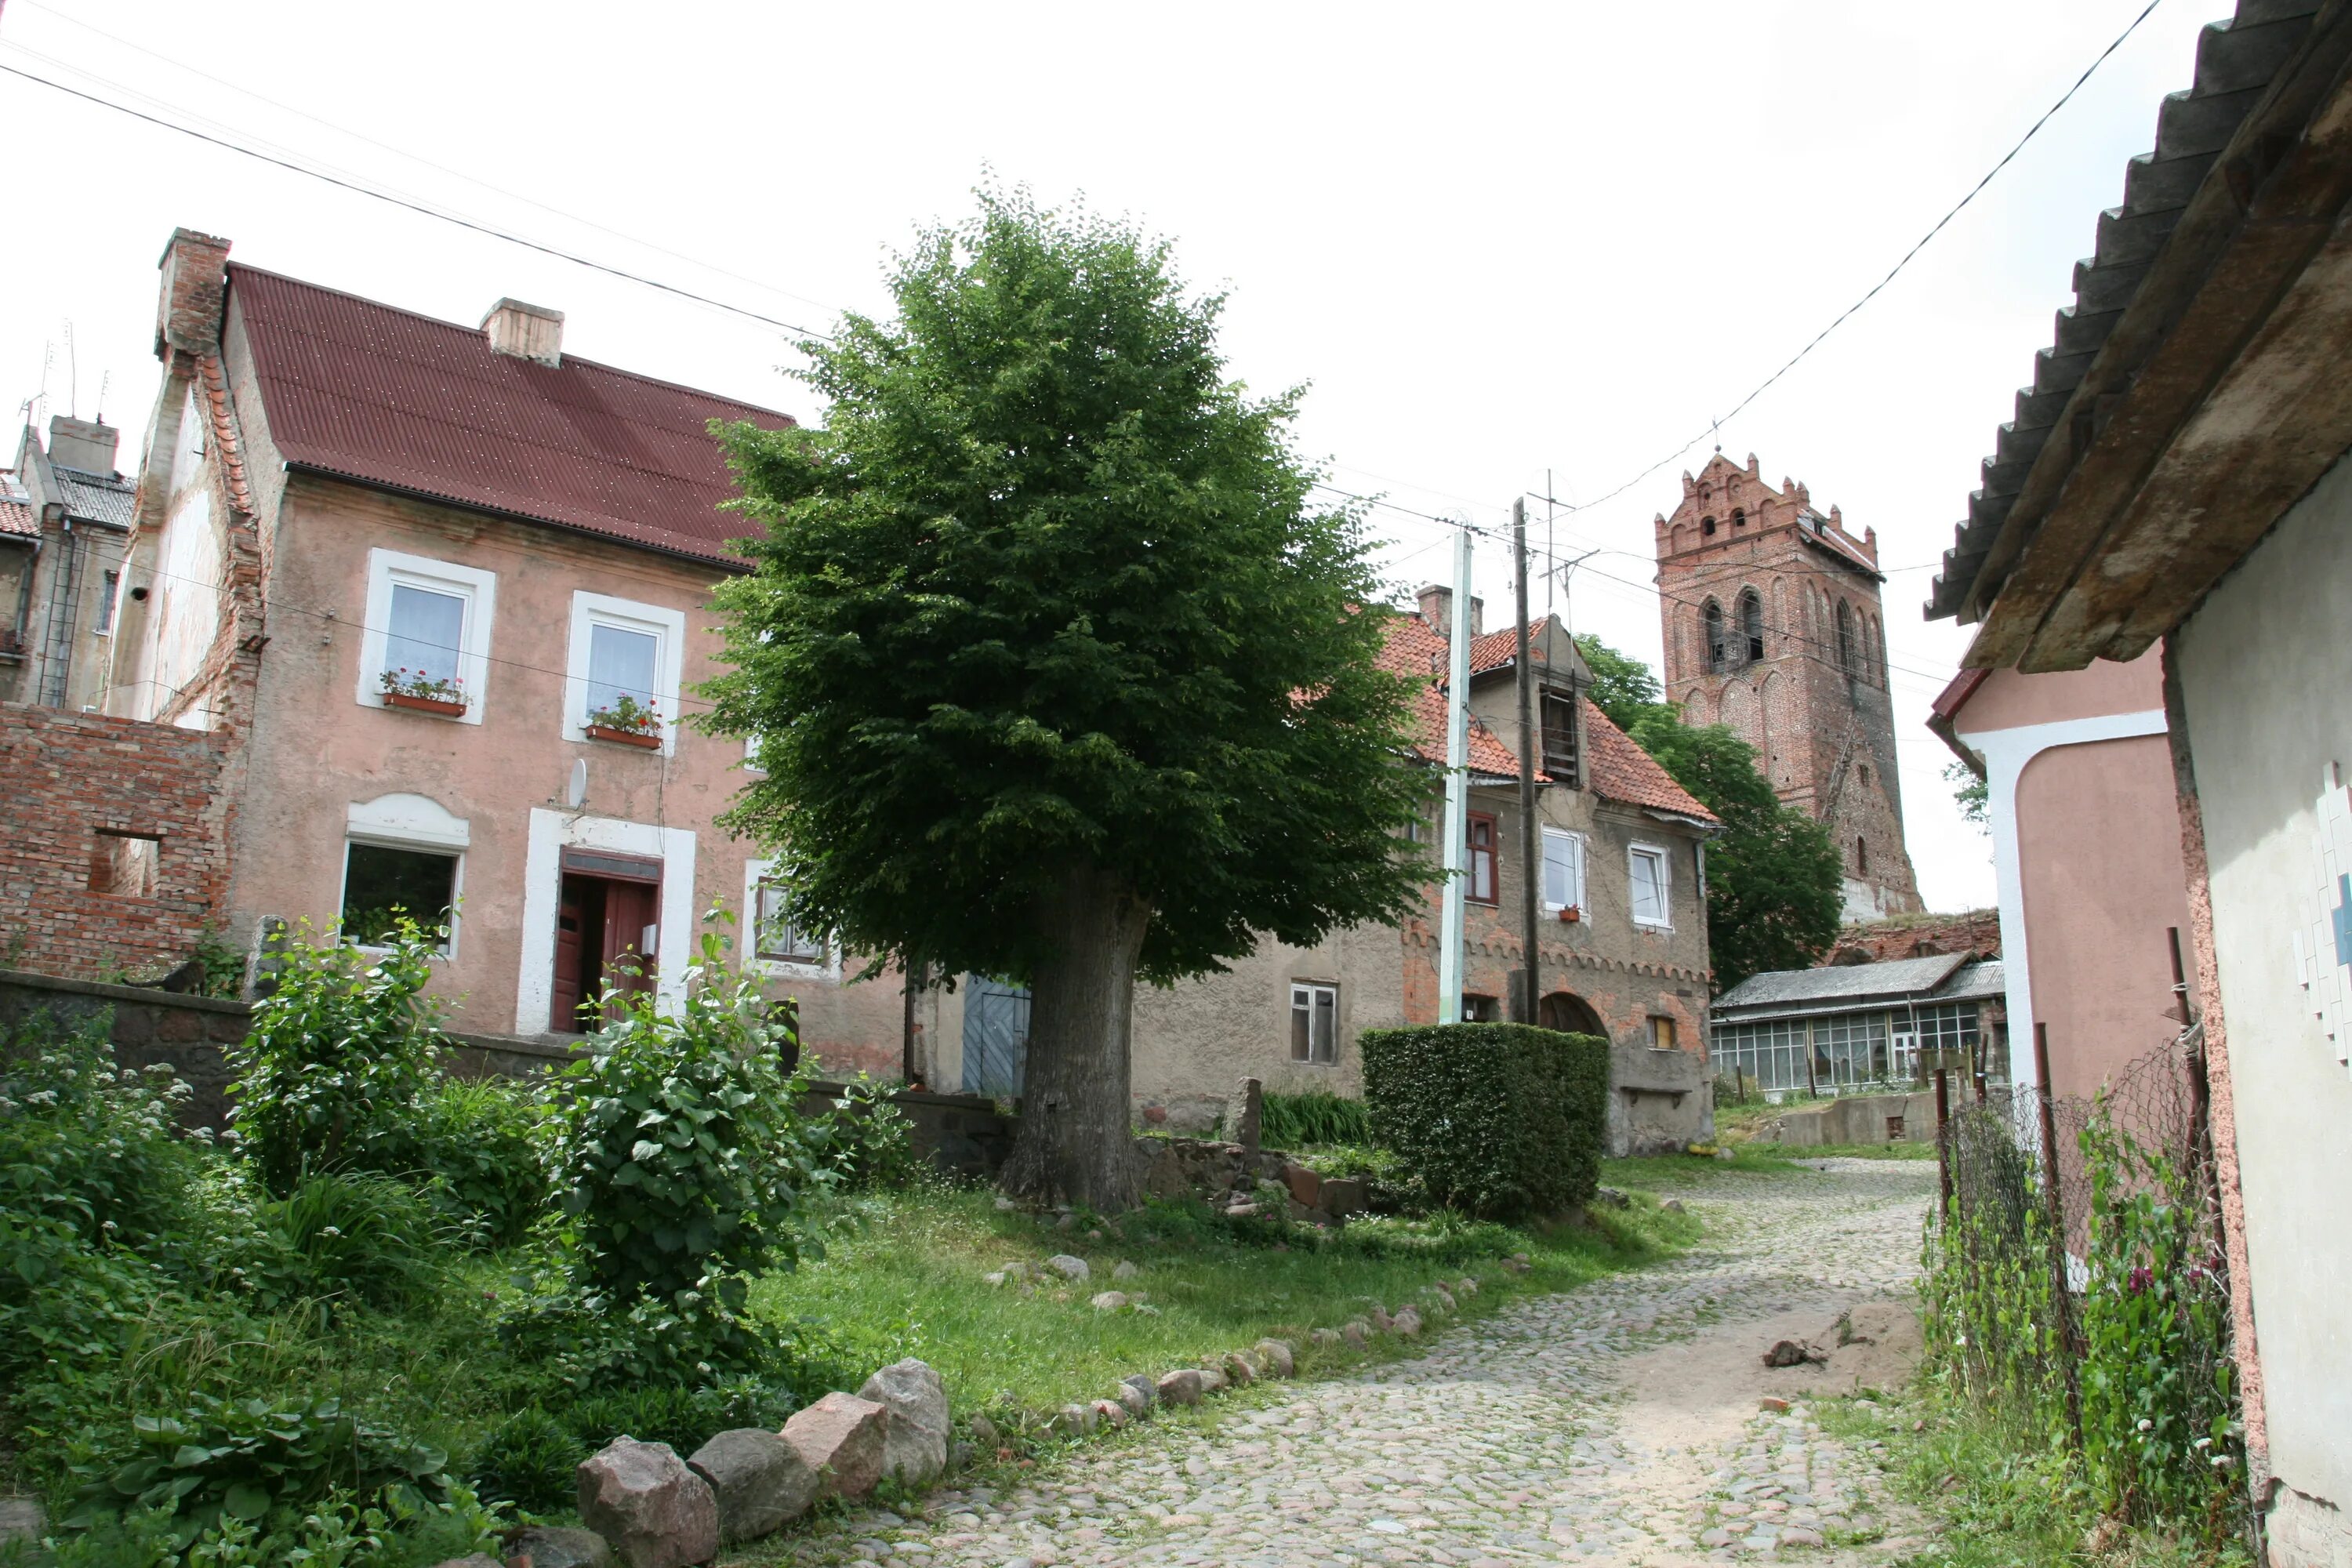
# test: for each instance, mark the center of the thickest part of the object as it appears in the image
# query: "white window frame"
(754, 873)
(667, 627)
(1583, 853)
(1303, 993)
(478, 588)
(407, 822)
(1666, 861)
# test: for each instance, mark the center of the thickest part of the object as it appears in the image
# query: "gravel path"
(1618, 1423)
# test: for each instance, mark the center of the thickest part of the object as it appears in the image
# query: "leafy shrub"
(86, 1142)
(682, 1152)
(480, 1138)
(872, 1141)
(530, 1459)
(1317, 1117)
(252, 1462)
(339, 1057)
(1501, 1120)
(360, 1235)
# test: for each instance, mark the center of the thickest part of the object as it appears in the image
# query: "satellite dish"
(578, 795)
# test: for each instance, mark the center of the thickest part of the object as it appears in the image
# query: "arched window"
(1738, 517)
(1711, 630)
(1861, 856)
(1847, 651)
(1751, 625)
(1706, 528)
(1864, 769)
(1570, 1014)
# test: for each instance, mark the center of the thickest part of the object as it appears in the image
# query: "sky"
(1503, 247)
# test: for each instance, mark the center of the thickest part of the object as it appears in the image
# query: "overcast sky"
(1496, 242)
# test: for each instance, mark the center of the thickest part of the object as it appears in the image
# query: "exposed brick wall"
(1918, 936)
(1823, 731)
(70, 777)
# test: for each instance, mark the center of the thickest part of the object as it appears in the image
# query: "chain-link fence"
(2076, 1283)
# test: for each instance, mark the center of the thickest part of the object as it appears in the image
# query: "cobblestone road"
(1615, 1423)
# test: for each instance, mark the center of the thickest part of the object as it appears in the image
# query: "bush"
(359, 1235)
(872, 1141)
(530, 1459)
(84, 1141)
(480, 1138)
(1317, 1117)
(339, 1055)
(1501, 1120)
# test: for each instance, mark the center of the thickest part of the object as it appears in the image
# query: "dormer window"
(1563, 757)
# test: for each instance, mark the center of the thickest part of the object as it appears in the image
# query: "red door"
(631, 936)
(563, 1017)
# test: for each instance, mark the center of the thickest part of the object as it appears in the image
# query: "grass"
(909, 1281)
(2001, 1497)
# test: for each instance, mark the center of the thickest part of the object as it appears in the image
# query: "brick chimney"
(526, 332)
(1437, 609)
(83, 445)
(196, 277)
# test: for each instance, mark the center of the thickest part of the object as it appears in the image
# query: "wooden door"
(564, 1016)
(631, 909)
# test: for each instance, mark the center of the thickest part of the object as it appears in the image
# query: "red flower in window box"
(1570, 914)
(414, 689)
(627, 721)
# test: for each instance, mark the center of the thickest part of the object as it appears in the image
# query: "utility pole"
(1530, 863)
(1457, 790)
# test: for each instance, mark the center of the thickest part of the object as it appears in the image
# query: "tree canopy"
(1047, 636)
(1774, 882)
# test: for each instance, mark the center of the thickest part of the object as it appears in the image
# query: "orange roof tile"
(1620, 770)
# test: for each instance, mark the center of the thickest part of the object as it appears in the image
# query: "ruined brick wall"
(1917, 936)
(1804, 681)
(114, 858)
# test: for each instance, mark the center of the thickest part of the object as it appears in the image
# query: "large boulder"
(1344, 1195)
(1182, 1387)
(655, 1512)
(1276, 1357)
(915, 1444)
(760, 1479)
(556, 1546)
(843, 1438)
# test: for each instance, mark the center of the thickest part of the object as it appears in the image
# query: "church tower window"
(1751, 625)
(1711, 623)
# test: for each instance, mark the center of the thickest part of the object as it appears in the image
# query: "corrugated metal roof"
(2235, 62)
(1790, 989)
(98, 498)
(1975, 983)
(391, 398)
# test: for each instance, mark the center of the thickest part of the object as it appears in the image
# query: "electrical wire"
(362, 188)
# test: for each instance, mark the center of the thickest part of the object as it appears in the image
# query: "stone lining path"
(1615, 1423)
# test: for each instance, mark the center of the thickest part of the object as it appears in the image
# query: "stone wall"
(964, 1133)
(115, 860)
(1660, 1102)
(1920, 936)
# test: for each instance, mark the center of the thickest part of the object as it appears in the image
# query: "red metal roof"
(392, 398)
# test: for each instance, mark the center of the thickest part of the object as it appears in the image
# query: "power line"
(362, 188)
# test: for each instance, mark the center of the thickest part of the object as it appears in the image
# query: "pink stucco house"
(447, 589)
(2086, 859)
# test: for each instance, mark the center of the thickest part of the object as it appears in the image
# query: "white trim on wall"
(477, 588)
(2006, 753)
(550, 832)
(666, 625)
(408, 822)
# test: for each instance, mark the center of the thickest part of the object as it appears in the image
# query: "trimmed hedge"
(1500, 1120)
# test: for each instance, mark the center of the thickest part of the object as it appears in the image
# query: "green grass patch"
(1904, 1151)
(1665, 1172)
(909, 1281)
(2000, 1497)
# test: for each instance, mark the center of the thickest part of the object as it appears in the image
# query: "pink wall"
(2009, 698)
(316, 749)
(2099, 852)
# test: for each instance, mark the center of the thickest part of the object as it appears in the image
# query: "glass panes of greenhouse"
(1951, 1027)
(1771, 1054)
(1850, 1049)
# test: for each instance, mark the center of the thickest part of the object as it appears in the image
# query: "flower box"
(441, 705)
(637, 738)
(1571, 915)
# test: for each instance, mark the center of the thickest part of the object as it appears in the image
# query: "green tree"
(1968, 791)
(1774, 881)
(1058, 671)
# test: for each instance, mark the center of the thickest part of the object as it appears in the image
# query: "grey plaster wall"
(2266, 686)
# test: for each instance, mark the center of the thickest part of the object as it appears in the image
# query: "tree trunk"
(1077, 1146)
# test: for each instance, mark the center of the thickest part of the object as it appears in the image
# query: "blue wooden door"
(995, 1036)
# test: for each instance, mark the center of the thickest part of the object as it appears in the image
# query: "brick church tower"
(1772, 627)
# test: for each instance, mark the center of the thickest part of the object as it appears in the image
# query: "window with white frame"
(779, 938)
(427, 636)
(1563, 869)
(403, 856)
(623, 672)
(1314, 1022)
(1647, 864)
